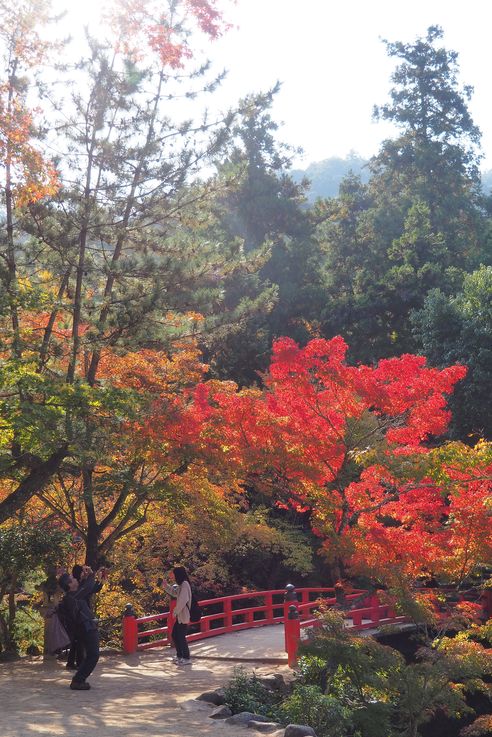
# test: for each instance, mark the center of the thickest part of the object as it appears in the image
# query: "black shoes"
(79, 686)
(69, 666)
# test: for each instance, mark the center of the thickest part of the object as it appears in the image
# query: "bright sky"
(332, 64)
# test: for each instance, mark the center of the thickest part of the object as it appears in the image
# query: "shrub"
(481, 727)
(308, 705)
(313, 671)
(245, 692)
(28, 629)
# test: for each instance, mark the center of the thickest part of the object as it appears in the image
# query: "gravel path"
(142, 695)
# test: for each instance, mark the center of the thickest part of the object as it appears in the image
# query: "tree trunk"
(9, 216)
(93, 531)
(32, 484)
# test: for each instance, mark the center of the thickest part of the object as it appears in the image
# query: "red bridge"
(295, 608)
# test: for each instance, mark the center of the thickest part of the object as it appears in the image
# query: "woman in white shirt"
(181, 613)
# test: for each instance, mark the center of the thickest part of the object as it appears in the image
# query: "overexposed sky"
(332, 64)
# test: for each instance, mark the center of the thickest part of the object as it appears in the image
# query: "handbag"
(57, 637)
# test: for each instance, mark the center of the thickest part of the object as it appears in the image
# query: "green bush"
(28, 629)
(308, 705)
(313, 671)
(245, 692)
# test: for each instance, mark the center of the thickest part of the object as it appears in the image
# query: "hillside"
(325, 176)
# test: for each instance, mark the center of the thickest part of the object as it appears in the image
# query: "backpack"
(195, 610)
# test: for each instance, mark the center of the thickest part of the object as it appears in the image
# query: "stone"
(221, 712)
(212, 697)
(242, 718)
(299, 730)
(273, 681)
(263, 726)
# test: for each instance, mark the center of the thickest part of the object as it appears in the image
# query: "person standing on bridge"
(181, 612)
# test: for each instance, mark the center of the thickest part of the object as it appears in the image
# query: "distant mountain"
(325, 176)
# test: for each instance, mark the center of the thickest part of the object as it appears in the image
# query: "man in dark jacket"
(80, 623)
(76, 652)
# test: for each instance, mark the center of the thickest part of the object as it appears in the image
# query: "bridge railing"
(220, 615)
(367, 613)
(294, 607)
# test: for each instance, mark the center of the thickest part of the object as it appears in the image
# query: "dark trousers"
(90, 641)
(76, 652)
(179, 639)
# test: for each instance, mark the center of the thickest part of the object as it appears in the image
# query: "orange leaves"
(19, 27)
(167, 422)
(32, 178)
(470, 513)
(28, 175)
(164, 31)
(153, 371)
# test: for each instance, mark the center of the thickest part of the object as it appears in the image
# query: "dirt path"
(142, 695)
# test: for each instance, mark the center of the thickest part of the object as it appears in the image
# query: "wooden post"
(227, 608)
(130, 631)
(356, 617)
(292, 634)
(290, 597)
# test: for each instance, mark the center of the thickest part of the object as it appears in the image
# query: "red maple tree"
(354, 446)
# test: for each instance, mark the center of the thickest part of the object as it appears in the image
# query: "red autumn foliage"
(165, 31)
(28, 175)
(352, 444)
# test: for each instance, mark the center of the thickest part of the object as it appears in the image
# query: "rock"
(242, 718)
(299, 730)
(273, 681)
(212, 697)
(221, 712)
(194, 705)
(263, 726)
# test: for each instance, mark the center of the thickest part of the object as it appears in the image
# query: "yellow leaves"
(111, 602)
(24, 284)
(154, 371)
(45, 276)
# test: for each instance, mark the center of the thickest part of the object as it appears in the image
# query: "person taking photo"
(183, 596)
(80, 621)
